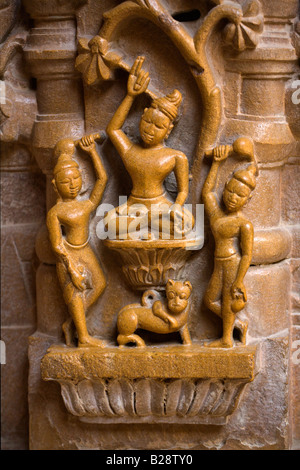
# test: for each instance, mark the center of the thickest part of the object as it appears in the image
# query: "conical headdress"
(63, 151)
(168, 104)
(247, 176)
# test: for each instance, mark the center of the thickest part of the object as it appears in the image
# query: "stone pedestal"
(174, 384)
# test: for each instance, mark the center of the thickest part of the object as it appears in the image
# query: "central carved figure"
(148, 165)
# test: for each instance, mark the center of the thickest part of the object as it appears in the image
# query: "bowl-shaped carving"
(150, 263)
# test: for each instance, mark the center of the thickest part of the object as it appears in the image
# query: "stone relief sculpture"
(148, 225)
(198, 381)
(233, 234)
(149, 164)
(220, 70)
(78, 269)
(156, 315)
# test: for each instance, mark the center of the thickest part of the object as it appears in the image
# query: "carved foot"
(124, 339)
(91, 342)
(219, 343)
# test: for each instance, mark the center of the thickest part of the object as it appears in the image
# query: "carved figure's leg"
(230, 268)
(127, 323)
(68, 330)
(76, 306)
(98, 281)
(77, 311)
(183, 225)
(213, 293)
(224, 276)
(185, 335)
(159, 220)
(228, 318)
(118, 222)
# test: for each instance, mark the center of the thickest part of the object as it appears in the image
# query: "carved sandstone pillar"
(259, 106)
(50, 54)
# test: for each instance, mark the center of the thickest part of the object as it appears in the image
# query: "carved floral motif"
(147, 265)
(245, 32)
(95, 61)
(193, 401)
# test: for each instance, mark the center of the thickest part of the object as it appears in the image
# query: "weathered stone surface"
(16, 208)
(174, 362)
(291, 194)
(268, 307)
(17, 274)
(258, 424)
(55, 313)
(14, 389)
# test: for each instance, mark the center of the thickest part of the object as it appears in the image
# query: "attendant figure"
(79, 273)
(233, 233)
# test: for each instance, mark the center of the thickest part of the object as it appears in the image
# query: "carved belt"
(77, 247)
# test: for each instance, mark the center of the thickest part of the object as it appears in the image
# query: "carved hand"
(237, 289)
(221, 152)
(176, 212)
(78, 278)
(138, 79)
(87, 143)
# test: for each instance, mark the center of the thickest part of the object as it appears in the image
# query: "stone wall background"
(22, 212)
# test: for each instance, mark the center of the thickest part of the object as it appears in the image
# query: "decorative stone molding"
(170, 384)
(149, 264)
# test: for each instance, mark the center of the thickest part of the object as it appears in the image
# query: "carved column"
(50, 53)
(262, 76)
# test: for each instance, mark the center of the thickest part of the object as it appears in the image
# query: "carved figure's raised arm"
(87, 144)
(138, 82)
(209, 197)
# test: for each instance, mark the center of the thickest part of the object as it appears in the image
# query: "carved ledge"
(191, 384)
